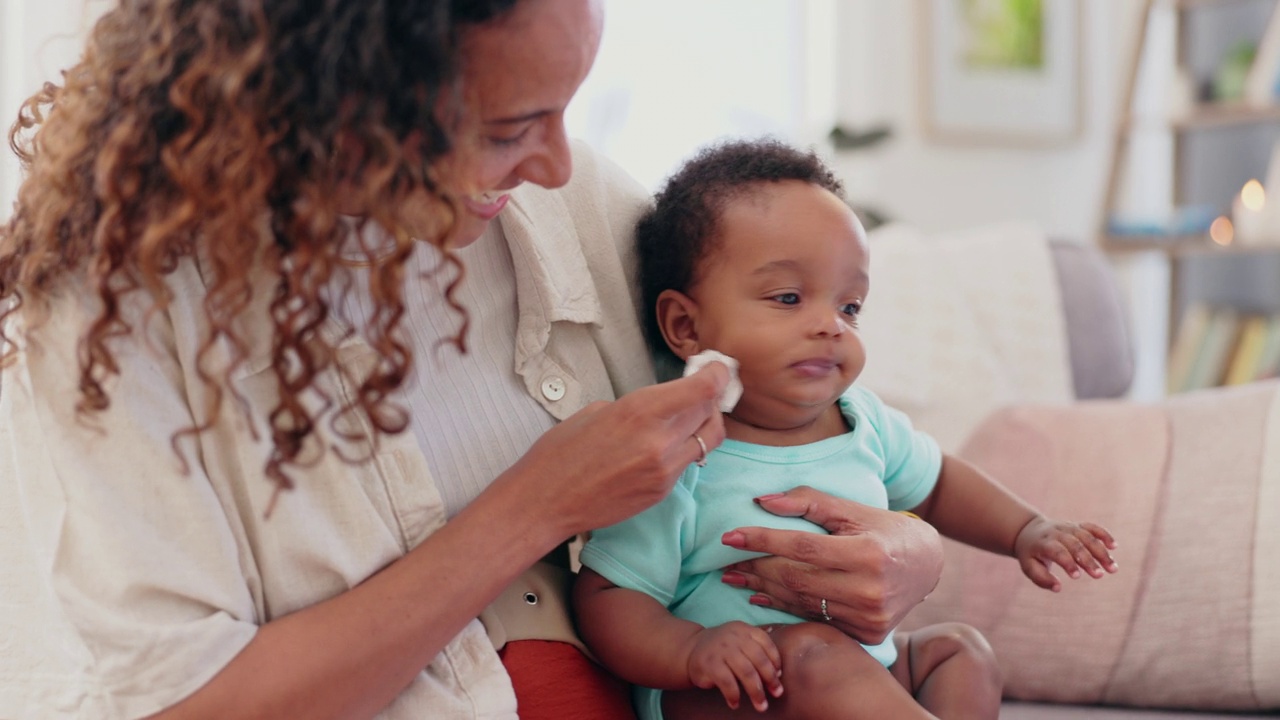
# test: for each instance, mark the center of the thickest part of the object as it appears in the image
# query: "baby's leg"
(825, 674)
(951, 670)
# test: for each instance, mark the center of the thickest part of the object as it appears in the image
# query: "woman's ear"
(677, 319)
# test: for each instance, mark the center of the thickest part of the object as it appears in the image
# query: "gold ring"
(702, 460)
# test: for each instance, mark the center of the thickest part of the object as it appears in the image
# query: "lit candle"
(1222, 231)
(1249, 214)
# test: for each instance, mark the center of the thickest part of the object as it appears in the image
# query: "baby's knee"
(959, 638)
(955, 640)
(817, 656)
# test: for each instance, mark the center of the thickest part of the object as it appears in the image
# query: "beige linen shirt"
(126, 584)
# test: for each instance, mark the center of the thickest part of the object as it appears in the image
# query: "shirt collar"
(553, 281)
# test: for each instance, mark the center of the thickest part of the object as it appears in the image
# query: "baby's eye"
(851, 309)
(788, 298)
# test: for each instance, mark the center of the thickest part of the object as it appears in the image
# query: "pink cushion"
(1191, 620)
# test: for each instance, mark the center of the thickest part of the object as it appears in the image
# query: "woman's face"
(518, 76)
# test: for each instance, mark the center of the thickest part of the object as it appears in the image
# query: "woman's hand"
(612, 460)
(873, 568)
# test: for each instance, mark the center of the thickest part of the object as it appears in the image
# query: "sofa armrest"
(1098, 336)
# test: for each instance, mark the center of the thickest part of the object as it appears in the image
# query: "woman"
(206, 274)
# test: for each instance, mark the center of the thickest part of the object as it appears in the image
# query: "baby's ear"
(677, 318)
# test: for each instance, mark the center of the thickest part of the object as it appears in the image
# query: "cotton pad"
(732, 391)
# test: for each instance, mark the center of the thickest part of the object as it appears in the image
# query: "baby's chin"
(782, 414)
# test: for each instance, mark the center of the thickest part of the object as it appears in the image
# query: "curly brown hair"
(229, 130)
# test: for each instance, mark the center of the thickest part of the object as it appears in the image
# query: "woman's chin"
(467, 230)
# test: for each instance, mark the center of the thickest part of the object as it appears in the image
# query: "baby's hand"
(1044, 542)
(734, 654)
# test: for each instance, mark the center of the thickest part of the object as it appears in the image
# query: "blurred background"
(1132, 125)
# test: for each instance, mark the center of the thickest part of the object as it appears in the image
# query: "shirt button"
(553, 388)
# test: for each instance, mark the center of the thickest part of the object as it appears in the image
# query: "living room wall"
(939, 186)
(37, 39)
(791, 67)
(874, 45)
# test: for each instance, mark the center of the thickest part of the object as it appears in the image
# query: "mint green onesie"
(673, 552)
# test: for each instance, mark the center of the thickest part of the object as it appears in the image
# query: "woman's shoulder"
(67, 309)
(592, 167)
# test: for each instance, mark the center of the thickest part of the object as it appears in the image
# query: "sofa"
(1190, 626)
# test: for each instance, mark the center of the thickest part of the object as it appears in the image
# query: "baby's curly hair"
(224, 130)
(681, 228)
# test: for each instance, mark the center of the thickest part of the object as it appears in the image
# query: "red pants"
(555, 681)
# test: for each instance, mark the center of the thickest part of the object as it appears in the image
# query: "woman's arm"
(351, 655)
(873, 568)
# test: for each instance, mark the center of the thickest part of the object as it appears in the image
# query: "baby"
(751, 252)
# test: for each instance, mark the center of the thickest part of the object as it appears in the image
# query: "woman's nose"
(552, 163)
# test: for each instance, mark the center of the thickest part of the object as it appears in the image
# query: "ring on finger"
(702, 447)
(825, 615)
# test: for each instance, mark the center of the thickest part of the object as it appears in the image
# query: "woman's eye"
(787, 298)
(509, 140)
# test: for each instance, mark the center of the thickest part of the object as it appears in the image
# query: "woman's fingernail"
(734, 579)
(765, 498)
(761, 600)
(735, 539)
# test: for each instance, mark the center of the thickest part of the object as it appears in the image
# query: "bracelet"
(910, 514)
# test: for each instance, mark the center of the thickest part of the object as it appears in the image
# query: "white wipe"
(732, 391)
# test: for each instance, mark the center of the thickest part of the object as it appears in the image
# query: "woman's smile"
(486, 206)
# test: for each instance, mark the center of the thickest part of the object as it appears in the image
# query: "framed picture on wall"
(1001, 71)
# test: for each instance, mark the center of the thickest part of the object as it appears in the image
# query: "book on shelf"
(1243, 367)
(1214, 352)
(1223, 346)
(1269, 357)
(1186, 345)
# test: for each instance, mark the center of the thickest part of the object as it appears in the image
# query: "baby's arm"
(643, 643)
(969, 506)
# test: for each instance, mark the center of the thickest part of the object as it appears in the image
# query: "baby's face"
(780, 291)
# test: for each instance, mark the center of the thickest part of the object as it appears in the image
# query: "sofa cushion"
(1190, 487)
(1014, 710)
(958, 324)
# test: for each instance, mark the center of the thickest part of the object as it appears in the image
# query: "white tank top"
(471, 414)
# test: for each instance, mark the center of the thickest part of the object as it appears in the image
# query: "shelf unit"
(1202, 116)
(1225, 114)
(1206, 141)
(1193, 4)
